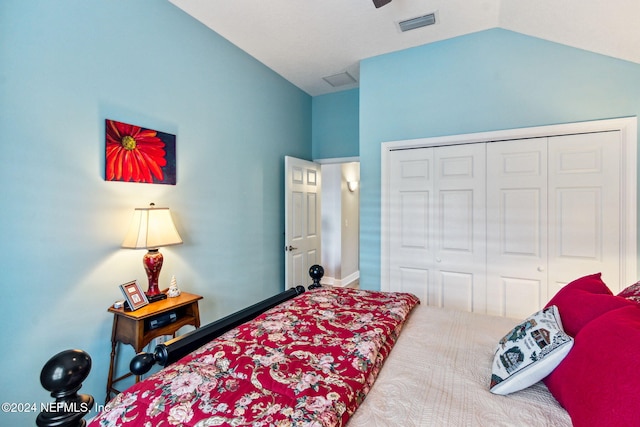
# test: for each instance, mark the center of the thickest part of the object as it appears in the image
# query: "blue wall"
(335, 125)
(66, 66)
(491, 80)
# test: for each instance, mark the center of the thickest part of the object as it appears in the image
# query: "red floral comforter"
(307, 362)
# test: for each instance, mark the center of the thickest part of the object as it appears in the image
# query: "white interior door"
(303, 220)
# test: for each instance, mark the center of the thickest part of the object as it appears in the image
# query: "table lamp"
(152, 228)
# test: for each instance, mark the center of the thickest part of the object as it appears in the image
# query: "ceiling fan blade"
(380, 3)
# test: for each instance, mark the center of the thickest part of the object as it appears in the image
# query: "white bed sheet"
(438, 374)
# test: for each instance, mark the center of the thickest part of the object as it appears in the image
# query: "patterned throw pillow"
(529, 352)
(631, 293)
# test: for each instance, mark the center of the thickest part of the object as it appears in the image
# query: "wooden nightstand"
(135, 327)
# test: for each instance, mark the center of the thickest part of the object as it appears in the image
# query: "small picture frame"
(134, 295)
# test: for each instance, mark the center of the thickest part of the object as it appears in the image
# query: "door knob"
(540, 269)
(290, 248)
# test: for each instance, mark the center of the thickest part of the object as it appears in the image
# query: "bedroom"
(67, 66)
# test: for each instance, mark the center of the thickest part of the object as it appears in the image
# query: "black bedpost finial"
(316, 272)
(63, 375)
(143, 362)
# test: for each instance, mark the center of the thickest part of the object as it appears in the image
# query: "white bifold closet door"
(517, 226)
(437, 227)
(585, 208)
(500, 227)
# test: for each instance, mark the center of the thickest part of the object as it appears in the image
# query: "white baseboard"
(340, 283)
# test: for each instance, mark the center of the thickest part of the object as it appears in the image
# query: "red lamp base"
(152, 262)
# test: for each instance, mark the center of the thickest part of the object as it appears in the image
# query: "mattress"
(438, 374)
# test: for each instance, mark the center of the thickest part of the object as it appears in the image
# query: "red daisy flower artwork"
(136, 154)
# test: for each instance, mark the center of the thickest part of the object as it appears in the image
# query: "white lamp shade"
(151, 228)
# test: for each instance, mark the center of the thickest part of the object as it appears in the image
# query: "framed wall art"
(134, 295)
(137, 154)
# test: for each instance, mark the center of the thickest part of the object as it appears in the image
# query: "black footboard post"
(169, 352)
(63, 375)
(316, 272)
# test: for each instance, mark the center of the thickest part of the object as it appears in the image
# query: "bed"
(334, 356)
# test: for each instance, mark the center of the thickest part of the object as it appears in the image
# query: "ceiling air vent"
(420, 21)
(341, 79)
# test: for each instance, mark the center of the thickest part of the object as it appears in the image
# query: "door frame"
(628, 127)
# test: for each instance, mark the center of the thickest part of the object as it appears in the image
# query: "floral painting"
(136, 154)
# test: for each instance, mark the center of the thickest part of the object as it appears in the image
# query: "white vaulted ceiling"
(306, 40)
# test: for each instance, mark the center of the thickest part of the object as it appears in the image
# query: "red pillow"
(599, 379)
(584, 299)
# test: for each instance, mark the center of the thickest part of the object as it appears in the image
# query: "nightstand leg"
(114, 343)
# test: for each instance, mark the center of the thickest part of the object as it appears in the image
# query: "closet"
(499, 227)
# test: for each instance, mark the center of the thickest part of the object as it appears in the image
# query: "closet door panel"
(579, 215)
(522, 296)
(584, 208)
(460, 238)
(456, 289)
(516, 227)
(456, 214)
(411, 224)
(416, 281)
